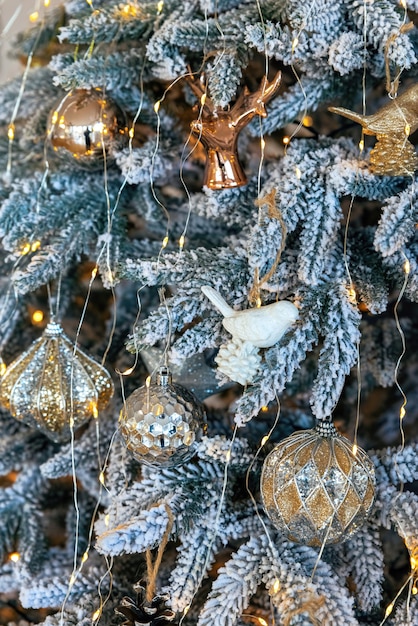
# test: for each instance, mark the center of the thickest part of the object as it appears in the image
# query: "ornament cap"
(53, 329)
(164, 377)
(325, 428)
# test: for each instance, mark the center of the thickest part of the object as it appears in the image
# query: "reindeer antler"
(253, 103)
(218, 129)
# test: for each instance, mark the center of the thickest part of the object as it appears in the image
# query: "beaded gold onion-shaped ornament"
(55, 386)
(315, 489)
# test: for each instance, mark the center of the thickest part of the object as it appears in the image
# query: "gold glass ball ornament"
(315, 488)
(55, 386)
(85, 125)
(162, 422)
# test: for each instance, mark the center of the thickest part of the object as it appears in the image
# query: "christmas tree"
(181, 212)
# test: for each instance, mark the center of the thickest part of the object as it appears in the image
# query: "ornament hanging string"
(273, 212)
(393, 85)
(152, 568)
(311, 607)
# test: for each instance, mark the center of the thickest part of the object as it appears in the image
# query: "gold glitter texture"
(161, 423)
(314, 489)
(393, 154)
(52, 383)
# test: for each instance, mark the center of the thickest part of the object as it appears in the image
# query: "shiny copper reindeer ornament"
(218, 130)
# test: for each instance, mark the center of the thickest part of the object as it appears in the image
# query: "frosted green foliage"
(236, 582)
(80, 219)
(195, 339)
(364, 554)
(141, 165)
(406, 613)
(81, 614)
(292, 565)
(224, 77)
(110, 24)
(351, 177)
(384, 20)
(397, 223)
(367, 272)
(142, 532)
(339, 326)
(230, 206)
(39, 92)
(105, 72)
(379, 351)
(196, 555)
(21, 529)
(295, 102)
(347, 53)
(84, 455)
(396, 465)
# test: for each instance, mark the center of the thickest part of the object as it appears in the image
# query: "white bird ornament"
(251, 329)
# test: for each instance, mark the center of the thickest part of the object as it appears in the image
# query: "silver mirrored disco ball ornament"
(316, 488)
(84, 126)
(162, 422)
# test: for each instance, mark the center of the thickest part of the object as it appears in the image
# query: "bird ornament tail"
(217, 300)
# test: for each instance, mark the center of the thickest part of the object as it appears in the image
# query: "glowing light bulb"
(276, 586)
(131, 132)
(262, 621)
(148, 382)
(35, 246)
(3, 367)
(102, 478)
(96, 615)
(95, 410)
(11, 132)
(264, 440)
(160, 6)
(85, 557)
(294, 44)
(165, 242)
(389, 609)
(361, 145)
(33, 17)
(407, 267)
(26, 249)
(203, 99)
(14, 557)
(37, 316)
(307, 120)
(354, 449)
(264, 409)
(47, 3)
(402, 412)
(107, 519)
(157, 106)
(181, 242)
(94, 272)
(286, 140)
(407, 130)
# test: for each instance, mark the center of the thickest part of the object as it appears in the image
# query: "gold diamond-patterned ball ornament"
(85, 125)
(162, 422)
(315, 489)
(55, 386)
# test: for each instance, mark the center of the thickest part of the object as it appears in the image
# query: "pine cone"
(139, 612)
(239, 361)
